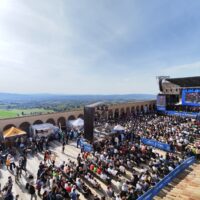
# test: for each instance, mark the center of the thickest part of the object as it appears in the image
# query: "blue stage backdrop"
(159, 186)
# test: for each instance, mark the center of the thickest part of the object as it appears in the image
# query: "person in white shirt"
(138, 187)
(170, 168)
(118, 197)
(122, 169)
(103, 176)
(102, 157)
(117, 141)
(119, 185)
(124, 187)
(114, 172)
(115, 151)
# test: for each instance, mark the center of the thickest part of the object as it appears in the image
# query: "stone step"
(185, 187)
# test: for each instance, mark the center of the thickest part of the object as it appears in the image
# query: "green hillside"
(22, 112)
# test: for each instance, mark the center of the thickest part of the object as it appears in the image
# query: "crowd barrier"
(159, 186)
(182, 114)
(86, 147)
(156, 144)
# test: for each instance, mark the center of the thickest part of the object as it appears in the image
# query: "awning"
(43, 127)
(12, 132)
(119, 128)
(77, 123)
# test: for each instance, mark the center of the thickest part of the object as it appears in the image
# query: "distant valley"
(12, 105)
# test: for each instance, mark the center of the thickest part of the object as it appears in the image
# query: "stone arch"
(132, 110)
(25, 126)
(137, 109)
(61, 122)
(142, 108)
(81, 116)
(110, 114)
(128, 111)
(51, 121)
(146, 108)
(122, 110)
(116, 113)
(71, 117)
(97, 116)
(122, 113)
(8, 126)
(38, 122)
(104, 115)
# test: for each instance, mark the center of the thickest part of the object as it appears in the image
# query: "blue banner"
(159, 186)
(156, 144)
(182, 114)
(86, 147)
(161, 108)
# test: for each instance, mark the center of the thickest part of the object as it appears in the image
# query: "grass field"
(18, 112)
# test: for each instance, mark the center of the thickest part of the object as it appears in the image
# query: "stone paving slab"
(185, 187)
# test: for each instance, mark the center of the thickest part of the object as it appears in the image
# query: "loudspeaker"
(89, 123)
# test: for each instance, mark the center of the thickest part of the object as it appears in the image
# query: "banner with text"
(86, 146)
(181, 114)
(156, 144)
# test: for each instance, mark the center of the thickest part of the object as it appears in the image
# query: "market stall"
(13, 132)
(44, 130)
(118, 128)
(12, 135)
(77, 123)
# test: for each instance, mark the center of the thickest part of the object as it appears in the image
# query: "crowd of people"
(183, 108)
(120, 161)
(176, 131)
(111, 161)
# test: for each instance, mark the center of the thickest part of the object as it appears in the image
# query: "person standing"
(46, 155)
(17, 174)
(24, 163)
(39, 186)
(66, 137)
(12, 163)
(63, 146)
(78, 142)
(79, 159)
(73, 194)
(32, 192)
(8, 161)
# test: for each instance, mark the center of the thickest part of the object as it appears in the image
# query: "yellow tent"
(12, 132)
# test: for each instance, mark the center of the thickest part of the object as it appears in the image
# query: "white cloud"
(189, 69)
(67, 46)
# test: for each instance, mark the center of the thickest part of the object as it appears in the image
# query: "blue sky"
(96, 46)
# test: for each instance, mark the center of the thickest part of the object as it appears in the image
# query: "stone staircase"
(185, 187)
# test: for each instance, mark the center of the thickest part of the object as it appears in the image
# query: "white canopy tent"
(119, 128)
(45, 129)
(77, 123)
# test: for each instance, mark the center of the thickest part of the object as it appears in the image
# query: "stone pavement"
(71, 152)
(185, 187)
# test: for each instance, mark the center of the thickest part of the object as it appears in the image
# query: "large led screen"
(161, 102)
(191, 97)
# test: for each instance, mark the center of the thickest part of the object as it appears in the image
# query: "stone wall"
(61, 117)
